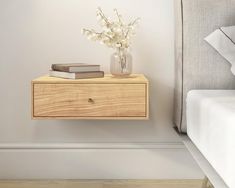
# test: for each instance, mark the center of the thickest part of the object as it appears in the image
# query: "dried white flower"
(115, 34)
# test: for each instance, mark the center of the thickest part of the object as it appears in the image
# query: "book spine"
(59, 68)
(99, 74)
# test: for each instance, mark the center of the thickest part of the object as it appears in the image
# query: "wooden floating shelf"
(98, 98)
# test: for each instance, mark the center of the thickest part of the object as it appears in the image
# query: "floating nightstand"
(98, 98)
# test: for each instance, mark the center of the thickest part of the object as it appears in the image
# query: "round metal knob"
(90, 100)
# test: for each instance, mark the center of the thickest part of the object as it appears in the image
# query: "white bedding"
(211, 126)
(223, 40)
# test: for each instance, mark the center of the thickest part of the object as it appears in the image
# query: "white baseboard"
(97, 161)
(136, 145)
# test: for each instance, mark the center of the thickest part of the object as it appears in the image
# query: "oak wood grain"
(109, 79)
(89, 100)
(101, 184)
(99, 98)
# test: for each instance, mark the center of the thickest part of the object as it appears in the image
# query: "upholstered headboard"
(198, 66)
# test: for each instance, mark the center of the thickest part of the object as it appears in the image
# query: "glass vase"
(121, 63)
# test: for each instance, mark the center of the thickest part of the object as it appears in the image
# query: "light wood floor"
(102, 184)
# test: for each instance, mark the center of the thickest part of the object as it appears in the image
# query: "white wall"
(36, 33)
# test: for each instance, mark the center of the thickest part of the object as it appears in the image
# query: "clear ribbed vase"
(121, 63)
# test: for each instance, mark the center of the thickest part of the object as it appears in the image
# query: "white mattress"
(211, 126)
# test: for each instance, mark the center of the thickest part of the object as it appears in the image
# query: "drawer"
(89, 101)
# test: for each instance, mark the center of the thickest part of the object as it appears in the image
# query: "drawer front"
(89, 100)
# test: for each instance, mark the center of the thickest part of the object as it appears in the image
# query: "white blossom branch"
(115, 34)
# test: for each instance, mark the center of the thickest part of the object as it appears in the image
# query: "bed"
(198, 66)
(204, 88)
(211, 127)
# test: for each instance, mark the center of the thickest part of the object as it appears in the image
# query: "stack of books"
(76, 71)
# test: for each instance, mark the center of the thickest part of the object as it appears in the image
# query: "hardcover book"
(75, 67)
(77, 75)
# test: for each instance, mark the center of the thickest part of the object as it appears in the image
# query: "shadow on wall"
(109, 130)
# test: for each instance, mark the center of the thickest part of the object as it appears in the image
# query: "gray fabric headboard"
(198, 66)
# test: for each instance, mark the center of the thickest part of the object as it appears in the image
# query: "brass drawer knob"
(90, 100)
